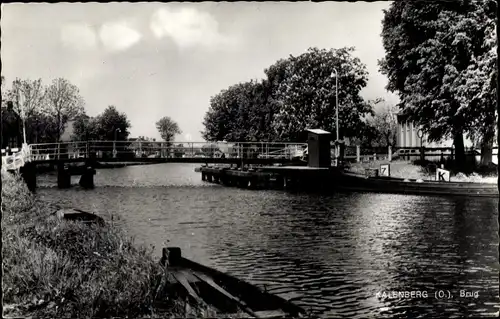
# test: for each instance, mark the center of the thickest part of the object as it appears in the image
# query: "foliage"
(64, 103)
(307, 94)
(168, 128)
(103, 127)
(239, 113)
(298, 93)
(210, 150)
(384, 124)
(31, 101)
(441, 59)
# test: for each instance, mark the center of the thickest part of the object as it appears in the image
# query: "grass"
(405, 169)
(56, 268)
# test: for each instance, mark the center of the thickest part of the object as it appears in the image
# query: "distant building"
(407, 136)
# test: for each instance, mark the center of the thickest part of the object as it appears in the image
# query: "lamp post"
(20, 103)
(336, 110)
(114, 142)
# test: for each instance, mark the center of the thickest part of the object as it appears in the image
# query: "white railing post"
(358, 153)
(389, 155)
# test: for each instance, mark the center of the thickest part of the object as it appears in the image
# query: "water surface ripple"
(330, 254)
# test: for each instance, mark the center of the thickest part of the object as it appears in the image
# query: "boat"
(225, 293)
(381, 184)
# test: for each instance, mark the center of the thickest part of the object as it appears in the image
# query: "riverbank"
(405, 169)
(58, 268)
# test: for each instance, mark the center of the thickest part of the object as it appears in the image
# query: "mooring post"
(358, 153)
(63, 176)
(87, 178)
(28, 173)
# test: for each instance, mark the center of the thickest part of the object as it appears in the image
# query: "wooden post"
(374, 157)
(358, 153)
(389, 155)
(87, 178)
(63, 176)
(28, 172)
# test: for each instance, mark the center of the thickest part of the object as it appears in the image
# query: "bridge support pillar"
(87, 179)
(63, 176)
(28, 173)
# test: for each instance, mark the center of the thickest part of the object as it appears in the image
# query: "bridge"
(89, 153)
(155, 152)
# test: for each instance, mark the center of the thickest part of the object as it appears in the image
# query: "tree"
(440, 60)
(307, 93)
(112, 122)
(298, 93)
(385, 126)
(29, 101)
(85, 128)
(103, 127)
(64, 103)
(168, 129)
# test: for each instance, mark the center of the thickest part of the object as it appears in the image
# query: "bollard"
(87, 178)
(28, 172)
(389, 155)
(358, 153)
(63, 176)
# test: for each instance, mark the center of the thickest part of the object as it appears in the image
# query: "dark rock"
(79, 215)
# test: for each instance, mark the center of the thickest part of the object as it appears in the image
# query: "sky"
(152, 60)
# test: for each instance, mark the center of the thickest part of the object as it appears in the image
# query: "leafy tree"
(168, 128)
(111, 121)
(64, 103)
(307, 93)
(28, 100)
(385, 126)
(210, 150)
(85, 128)
(440, 60)
(298, 93)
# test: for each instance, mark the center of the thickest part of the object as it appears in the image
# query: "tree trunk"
(487, 147)
(458, 141)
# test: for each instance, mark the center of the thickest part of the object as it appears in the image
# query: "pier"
(317, 173)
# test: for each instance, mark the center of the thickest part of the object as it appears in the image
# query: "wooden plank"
(181, 278)
(278, 313)
(215, 286)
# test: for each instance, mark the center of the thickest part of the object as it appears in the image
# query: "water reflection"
(328, 253)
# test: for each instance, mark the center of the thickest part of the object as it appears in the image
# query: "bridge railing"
(140, 149)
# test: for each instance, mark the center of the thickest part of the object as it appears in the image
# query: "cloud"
(189, 28)
(79, 36)
(117, 36)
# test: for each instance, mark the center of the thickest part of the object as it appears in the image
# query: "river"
(331, 254)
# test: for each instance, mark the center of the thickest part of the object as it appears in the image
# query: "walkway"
(142, 150)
